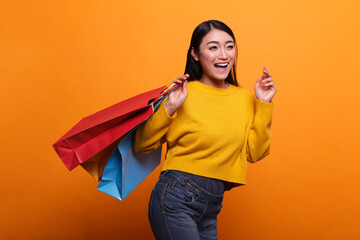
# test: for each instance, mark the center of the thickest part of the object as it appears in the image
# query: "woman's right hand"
(177, 97)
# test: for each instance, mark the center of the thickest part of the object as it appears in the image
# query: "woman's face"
(216, 55)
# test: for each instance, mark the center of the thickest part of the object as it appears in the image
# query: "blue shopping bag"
(126, 169)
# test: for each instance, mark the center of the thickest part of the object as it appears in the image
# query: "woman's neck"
(214, 82)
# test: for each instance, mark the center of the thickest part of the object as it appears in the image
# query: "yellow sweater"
(212, 134)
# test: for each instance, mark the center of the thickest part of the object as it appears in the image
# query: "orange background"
(63, 60)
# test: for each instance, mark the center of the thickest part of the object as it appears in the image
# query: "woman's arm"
(150, 134)
(259, 135)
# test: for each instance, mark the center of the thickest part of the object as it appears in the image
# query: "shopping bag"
(99, 130)
(96, 164)
(126, 169)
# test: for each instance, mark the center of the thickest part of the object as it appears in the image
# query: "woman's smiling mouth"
(221, 66)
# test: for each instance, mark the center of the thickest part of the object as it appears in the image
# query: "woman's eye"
(230, 47)
(213, 48)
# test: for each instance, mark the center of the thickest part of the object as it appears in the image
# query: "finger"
(269, 84)
(183, 87)
(185, 76)
(181, 79)
(266, 80)
(176, 81)
(259, 80)
(266, 72)
(267, 75)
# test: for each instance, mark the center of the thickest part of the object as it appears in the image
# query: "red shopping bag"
(100, 130)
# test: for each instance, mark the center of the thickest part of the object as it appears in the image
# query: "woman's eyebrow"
(230, 41)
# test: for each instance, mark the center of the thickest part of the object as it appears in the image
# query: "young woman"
(211, 127)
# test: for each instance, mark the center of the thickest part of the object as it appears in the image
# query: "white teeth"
(222, 64)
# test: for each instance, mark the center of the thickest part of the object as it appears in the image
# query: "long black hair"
(193, 68)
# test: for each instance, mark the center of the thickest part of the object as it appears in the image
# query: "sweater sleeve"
(151, 133)
(259, 136)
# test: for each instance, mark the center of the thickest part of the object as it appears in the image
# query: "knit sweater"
(213, 134)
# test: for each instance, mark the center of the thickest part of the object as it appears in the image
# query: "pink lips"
(223, 69)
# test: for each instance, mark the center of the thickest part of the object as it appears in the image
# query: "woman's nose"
(222, 54)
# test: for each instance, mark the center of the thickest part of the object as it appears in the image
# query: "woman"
(212, 127)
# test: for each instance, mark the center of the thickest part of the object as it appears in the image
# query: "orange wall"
(63, 60)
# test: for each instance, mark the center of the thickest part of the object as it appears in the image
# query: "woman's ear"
(194, 54)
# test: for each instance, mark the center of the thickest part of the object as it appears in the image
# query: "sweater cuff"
(164, 112)
(264, 108)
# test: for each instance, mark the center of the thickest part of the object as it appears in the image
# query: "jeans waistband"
(191, 185)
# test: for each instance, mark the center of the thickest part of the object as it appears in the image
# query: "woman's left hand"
(264, 87)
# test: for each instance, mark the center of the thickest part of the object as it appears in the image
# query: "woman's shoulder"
(244, 92)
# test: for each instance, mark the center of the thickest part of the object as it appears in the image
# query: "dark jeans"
(180, 209)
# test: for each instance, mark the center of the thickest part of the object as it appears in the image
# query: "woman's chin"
(220, 77)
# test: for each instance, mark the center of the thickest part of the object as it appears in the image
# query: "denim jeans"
(180, 209)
